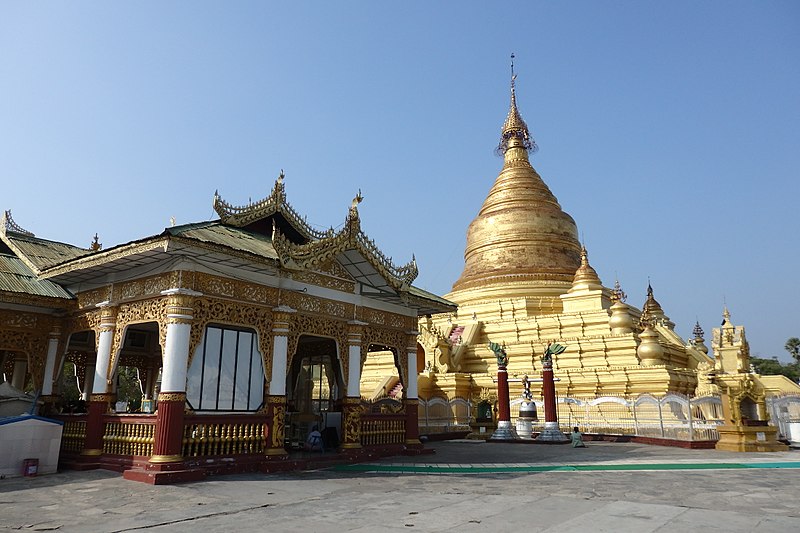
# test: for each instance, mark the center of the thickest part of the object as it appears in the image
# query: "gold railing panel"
(129, 438)
(379, 430)
(73, 436)
(223, 438)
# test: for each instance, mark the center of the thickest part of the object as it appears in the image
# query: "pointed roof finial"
(698, 331)
(585, 272)
(726, 316)
(619, 294)
(514, 126)
(96, 246)
(651, 306)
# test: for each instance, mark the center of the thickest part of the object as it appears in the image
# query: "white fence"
(784, 412)
(672, 416)
(437, 415)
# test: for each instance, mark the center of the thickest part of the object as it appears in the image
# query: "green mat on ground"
(478, 469)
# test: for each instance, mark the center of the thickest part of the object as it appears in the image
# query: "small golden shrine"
(744, 405)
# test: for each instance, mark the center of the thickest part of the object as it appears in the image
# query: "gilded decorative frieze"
(313, 304)
(149, 286)
(64, 304)
(93, 297)
(312, 278)
(171, 396)
(138, 312)
(32, 344)
(236, 289)
(337, 270)
(21, 320)
(389, 338)
(105, 398)
(85, 321)
(384, 318)
(208, 310)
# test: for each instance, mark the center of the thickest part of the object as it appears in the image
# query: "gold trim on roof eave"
(48, 302)
(113, 254)
(105, 256)
(314, 254)
(275, 203)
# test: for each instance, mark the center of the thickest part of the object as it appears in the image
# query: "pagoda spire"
(515, 127)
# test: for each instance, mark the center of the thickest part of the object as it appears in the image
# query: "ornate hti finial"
(514, 126)
(726, 316)
(618, 294)
(96, 246)
(698, 331)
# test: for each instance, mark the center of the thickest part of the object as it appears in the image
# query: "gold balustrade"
(223, 438)
(376, 431)
(129, 438)
(73, 436)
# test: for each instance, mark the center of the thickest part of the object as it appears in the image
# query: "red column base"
(164, 477)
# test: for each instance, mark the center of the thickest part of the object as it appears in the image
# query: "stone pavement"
(509, 487)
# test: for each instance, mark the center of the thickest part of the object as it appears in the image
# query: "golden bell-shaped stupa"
(521, 244)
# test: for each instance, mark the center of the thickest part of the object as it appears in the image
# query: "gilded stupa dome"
(521, 243)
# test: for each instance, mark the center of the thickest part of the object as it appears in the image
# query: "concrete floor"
(731, 493)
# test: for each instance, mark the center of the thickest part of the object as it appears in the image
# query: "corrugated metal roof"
(235, 238)
(15, 276)
(43, 253)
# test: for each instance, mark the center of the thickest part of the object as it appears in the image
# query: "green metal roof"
(15, 276)
(43, 253)
(228, 236)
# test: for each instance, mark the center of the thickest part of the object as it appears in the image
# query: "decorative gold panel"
(328, 282)
(153, 310)
(236, 289)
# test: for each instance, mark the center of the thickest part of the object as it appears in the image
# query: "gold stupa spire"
(585, 272)
(514, 127)
(521, 243)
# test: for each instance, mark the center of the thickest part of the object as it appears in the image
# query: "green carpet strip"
(478, 469)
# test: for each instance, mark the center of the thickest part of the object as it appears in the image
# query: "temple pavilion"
(245, 333)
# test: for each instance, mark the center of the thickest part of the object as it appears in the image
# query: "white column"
(280, 346)
(354, 358)
(176, 346)
(19, 372)
(50, 363)
(88, 382)
(108, 322)
(411, 386)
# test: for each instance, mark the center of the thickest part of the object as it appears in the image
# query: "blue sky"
(668, 130)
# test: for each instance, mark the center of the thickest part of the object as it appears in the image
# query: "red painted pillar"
(504, 431)
(95, 427)
(412, 421)
(168, 439)
(551, 432)
(549, 392)
(503, 401)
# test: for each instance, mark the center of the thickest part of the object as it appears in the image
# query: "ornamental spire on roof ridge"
(514, 126)
(7, 224)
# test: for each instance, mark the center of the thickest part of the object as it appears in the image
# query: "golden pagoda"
(528, 281)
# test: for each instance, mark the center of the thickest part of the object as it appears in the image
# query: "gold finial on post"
(95, 246)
